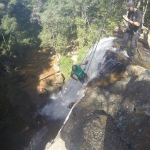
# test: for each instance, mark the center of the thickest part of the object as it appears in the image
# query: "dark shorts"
(83, 79)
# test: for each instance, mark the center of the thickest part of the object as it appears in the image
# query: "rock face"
(145, 36)
(114, 113)
(93, 130)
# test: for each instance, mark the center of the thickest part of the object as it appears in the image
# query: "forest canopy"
(61, 26)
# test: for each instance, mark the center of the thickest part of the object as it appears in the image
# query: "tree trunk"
(145, 4)
(84, 15)
(4, 40)
(139, 3)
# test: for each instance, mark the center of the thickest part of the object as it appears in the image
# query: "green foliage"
(4, 103)
(2, 10)
(81, 53)
(61, 44)
(4, 47)
(21, 13)
(56, 24)
(9, 25)
(65, 64)
(18, 33)
(147, 16)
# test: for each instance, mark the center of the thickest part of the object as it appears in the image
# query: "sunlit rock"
(115, 110)
(133, 70)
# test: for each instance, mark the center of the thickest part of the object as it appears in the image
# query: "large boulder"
(116, 117)
(114, 112)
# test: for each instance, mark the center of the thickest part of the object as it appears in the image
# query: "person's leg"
(133, 46)
(125, 40)
(83, 79)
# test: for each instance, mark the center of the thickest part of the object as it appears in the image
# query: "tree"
(20, 33)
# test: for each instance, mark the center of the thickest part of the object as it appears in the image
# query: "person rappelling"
(79, 73)
(134, 20)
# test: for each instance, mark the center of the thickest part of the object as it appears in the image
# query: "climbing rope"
(100, 32)
(90, 50)
(101, 28)
(40, 79)
(63, 98)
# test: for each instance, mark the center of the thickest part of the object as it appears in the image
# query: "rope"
(62, 98)
(41, 79)
(102, 28)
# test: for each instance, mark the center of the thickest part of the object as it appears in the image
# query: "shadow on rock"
(111, 70)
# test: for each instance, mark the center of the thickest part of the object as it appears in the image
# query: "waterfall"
(59, 106)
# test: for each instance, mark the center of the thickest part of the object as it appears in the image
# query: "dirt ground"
(38, 66)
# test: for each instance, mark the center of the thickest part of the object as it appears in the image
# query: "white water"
(36, 139)
(73, 90)
(58, 108)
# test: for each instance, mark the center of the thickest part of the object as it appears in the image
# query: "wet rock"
(112, 114)
(43, 92)
(111, 70)
(71, 105)
(123, 123)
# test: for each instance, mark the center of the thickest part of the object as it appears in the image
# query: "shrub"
(65, 64)
(81, 53)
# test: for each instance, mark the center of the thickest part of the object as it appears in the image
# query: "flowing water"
(61, 102)
(73, 90)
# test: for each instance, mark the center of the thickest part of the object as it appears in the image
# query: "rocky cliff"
(114, 111)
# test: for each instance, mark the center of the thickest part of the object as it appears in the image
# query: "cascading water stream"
(59, 106)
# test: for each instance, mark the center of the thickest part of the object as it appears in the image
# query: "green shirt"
(79, 73)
